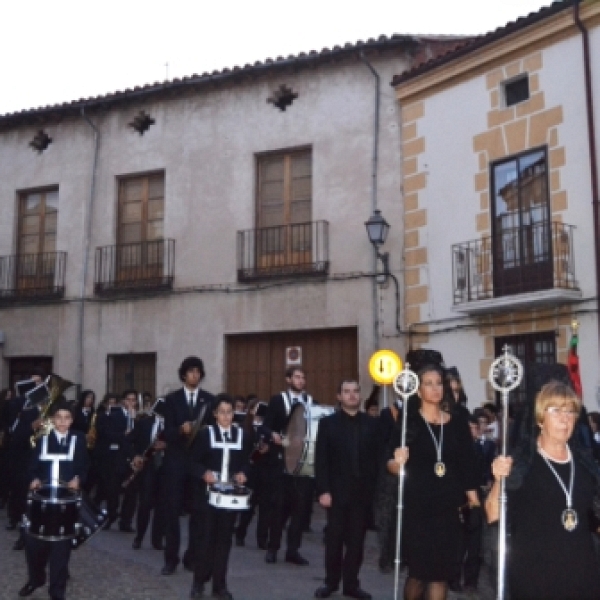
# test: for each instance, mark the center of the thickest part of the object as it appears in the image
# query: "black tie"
(63, 441)
(192, 403)
(226, 436)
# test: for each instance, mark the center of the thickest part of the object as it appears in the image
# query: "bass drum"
(91, 521)
(52, 513)
(301, 439)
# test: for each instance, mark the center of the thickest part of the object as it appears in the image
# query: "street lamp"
(377, 230)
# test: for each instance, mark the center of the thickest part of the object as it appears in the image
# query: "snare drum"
(301, 439)
(53, 513)
(91, 520)
(229, 496)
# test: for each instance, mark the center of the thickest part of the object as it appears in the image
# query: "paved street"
(107, 568)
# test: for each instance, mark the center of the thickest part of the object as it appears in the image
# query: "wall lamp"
(377, 230)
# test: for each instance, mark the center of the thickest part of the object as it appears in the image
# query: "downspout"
(86, 253)
(374, 168)
(589, 101)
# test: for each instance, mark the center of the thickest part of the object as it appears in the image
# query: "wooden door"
(255, 363)
(284, 207)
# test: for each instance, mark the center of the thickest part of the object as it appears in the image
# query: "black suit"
(346, 466)
(176, 467)
(287, 494)
(215, 525)
(55, 554)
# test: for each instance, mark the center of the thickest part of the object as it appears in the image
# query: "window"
(131, 371)
(36, 262)
(284, 206)
(140, 227)
(517, 90)
(521, 224)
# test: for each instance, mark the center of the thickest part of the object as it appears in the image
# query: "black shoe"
(19, 545)
(240, 541)
(168, 570)
(271, 557)
(188, 566)
(137, 544)
(126, 529)
(109, 523)
(325, 591)
(11, 526)
(29, 588)
(197, 590)
(158, 546)
(358, 593)
(296, 559)
(223, 595)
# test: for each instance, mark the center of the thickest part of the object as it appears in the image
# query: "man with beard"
(297, 491)
(186, 411)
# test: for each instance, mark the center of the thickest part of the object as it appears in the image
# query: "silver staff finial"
(506, 372)
(406, 382)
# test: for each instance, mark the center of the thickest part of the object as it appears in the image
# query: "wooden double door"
(256, 362)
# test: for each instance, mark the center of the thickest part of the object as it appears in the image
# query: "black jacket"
(332, 463)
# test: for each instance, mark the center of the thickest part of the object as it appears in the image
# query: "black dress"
(547, 562)
(431, 525)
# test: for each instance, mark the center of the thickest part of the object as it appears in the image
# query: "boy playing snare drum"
(61, 456)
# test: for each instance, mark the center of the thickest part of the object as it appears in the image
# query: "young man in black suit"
(296, 491)
(346, 466)
(71, 447)
(186, 411)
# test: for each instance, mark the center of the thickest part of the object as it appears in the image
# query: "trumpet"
(58, 385)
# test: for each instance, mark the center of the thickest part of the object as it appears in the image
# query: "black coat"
(177, 412)
(68, 469)
(332, 469)
(81, 421)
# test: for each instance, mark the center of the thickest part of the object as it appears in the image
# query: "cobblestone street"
(107, 568)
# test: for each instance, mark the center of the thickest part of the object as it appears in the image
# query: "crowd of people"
(148, 462)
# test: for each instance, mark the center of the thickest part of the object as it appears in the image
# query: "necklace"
(439, 468)
(568, 516)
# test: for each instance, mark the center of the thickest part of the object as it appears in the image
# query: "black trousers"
(173, 486)
(19, 488)
(212, 545)
(148, 494)
(54, 554)
(346, 529)
(469, 557)
(269, 526)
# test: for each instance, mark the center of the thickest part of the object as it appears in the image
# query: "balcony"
(300, 250)
(522, 267)
(32, 277)
(130, 268)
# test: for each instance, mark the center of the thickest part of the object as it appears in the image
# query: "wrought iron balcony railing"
(517, 260)
(285, 251)
(134, 267)
(32, 276)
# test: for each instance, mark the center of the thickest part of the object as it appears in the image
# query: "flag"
(573, 365)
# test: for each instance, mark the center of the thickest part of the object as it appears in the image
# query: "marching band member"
(72, 468)
(298, 491)
(346, 464)
(149, 451)
(186, 411)
(220, 453)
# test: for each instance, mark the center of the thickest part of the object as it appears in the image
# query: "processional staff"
(405, 384)
(505, 375)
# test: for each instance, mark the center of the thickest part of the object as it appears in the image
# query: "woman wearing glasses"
(551, 484)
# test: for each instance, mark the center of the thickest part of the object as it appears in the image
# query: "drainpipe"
(589, 102)
(374, 166)
(86, 254)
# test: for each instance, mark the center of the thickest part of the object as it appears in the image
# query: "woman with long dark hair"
(440, 481)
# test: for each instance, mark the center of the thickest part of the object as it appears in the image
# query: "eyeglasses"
(561, 412)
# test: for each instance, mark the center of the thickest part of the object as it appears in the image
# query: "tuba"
(92, 434)
(57, 387)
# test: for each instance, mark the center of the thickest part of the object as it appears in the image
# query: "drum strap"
(287, 401)
(226, 447)
(56, 459)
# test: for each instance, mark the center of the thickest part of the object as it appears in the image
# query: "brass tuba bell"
(57, 386)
